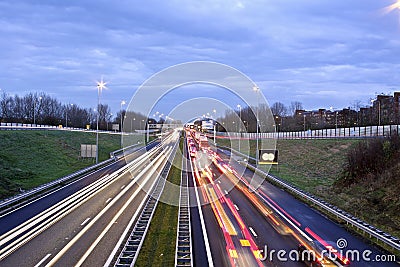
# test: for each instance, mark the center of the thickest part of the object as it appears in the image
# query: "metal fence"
(352, 132)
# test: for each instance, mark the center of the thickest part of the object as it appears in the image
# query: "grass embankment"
(317, 166)
(32, 158)
(159, 245)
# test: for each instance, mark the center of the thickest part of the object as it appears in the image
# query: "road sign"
(268, 156)
(115, 127)
(88, 151)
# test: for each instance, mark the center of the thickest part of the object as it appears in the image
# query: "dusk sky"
(320, 52)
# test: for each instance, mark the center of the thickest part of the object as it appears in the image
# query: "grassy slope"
(314, 165)
(31, 158)
(159, 245)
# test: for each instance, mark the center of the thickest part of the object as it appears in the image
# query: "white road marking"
(86, 228)
(108, 200)
(203, 226)
(236, 207)
(252, 231)
(226, 192)
(43, 260)
(122, 187)
(219, 181)
(85, 221)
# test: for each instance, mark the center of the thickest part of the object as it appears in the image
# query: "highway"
(243, 226)
(233, 224)
(81, 224)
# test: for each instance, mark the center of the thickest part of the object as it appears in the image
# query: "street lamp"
(100, 86)
(240, 122)
(379, 110)
(122, 103)
(215, 125)
(257, 90)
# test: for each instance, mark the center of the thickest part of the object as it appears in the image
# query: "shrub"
(369, 158)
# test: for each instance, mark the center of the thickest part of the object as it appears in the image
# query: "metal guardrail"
(183, 255)
(36, 190)
(131, 248)
(388, 239)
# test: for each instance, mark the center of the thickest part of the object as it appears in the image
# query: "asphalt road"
(16, 217)
(84, 232)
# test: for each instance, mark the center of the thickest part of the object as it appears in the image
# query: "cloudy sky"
(320, 52)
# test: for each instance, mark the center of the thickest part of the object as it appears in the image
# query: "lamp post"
(379, 110)
(100, 86)
(240, 122)
(215, 125)
(257, 90)
(122, 103)
(336, 121)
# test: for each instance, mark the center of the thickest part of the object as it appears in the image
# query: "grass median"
(159, 245)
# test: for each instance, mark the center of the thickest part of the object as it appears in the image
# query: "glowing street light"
(122, 103)
(215, 125)
(392, 7)
(257, 90)
(240, 122)
(100, 86)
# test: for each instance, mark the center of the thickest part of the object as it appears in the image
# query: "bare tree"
(279, 109)
(295, 105)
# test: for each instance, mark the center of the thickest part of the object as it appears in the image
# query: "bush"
(369, 158)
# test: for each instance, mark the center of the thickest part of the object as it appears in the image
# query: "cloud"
(288, 47)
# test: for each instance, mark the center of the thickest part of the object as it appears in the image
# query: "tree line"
(231, 119)
(40, 108)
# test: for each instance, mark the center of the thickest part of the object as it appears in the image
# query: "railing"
(36, 190)
(183, 250)
(388, 239)
(351, 132)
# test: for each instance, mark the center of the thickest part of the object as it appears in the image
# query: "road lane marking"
(85, 221)
(226, 192)
(203, 226)
(86, 228)
(133, 196)
(252, 231)
(108, 200)
(43, 260)
(236, 207)
(245, 243)
(122, 187)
